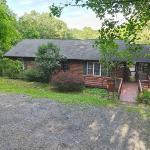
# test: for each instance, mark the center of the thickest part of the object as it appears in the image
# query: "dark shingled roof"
(71, 49)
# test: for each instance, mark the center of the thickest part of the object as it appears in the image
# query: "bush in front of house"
(35, 75)
(66, 81)
(48, 59)
(144, 97)
(11, 68)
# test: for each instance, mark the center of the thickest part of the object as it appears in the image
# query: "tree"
(85, 33)
(48, 59)
(144, 35)
(8, 28)
(11, 68)
(135, 12)
(36, 25)
(8, 31)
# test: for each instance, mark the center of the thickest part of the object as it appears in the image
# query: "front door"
(132, 73)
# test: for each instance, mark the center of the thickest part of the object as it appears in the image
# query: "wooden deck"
(129, 92)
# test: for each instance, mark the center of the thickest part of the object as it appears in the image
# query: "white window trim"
(100, 69)
(93, 68)
(100, 72)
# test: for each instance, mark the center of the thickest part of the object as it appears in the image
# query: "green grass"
(141, 109)
(93, 96)
(144, 97)
(96, 97)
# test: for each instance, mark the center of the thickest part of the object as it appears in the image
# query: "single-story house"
(82, 58)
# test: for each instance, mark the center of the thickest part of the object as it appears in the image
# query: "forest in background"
(42, 25)
(36, 25)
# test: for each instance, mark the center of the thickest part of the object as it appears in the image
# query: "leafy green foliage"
(8, 36)
(36, 25)
(39, 90)
(109, 52)
(86, 33)
(97, 91)
(48, 59)
(56, 11)
(144, 97)
(144, 35)
(8, 27)
(66, 81)
(136, 13)
(10, 68)
(35, 75)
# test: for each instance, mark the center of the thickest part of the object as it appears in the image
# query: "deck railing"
(103, 82)
(140, 86)
(120, 87)
(144, 84)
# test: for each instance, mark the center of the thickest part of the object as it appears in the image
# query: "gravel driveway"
(40, 124)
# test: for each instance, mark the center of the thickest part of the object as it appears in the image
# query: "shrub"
(11, 68)
(35, 75)
(48, 59)
(66, 81)
(144, 97)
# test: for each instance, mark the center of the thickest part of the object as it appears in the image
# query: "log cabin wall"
(89, 80)
(76, 67)
(96, 81)
(28, 63)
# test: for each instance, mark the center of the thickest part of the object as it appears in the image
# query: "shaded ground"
(41, 124)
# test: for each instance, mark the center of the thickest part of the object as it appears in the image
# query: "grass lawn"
(96, 97)
(38, 90)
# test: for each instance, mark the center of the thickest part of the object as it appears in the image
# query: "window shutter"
(84, 68)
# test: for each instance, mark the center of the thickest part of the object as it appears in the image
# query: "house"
(82, 58)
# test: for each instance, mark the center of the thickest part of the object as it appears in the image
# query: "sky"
(73, 17)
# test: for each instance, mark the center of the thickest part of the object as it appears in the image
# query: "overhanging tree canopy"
(135, 13)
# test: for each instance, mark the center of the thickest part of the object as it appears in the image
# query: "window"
(96, 69)
(84, 68)
(92, 68)
(65, 66)
(143, 67)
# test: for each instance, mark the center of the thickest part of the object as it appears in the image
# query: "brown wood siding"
(145, 84)
(119, 73)
(76, 67)
(29, 63)
(95, 81)
(89, 80)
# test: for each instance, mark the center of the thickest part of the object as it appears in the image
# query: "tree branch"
(121, 1)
